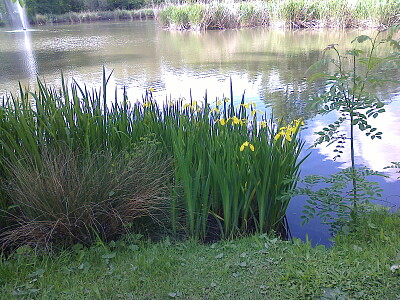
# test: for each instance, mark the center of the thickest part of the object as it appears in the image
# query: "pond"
(269, 65)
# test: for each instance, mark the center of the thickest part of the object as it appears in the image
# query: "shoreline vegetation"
(211, 15)
(291, 14)
(78, 166)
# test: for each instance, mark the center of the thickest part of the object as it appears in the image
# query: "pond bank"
(290, 14)
(359, 266)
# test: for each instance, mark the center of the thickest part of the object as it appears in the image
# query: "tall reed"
(335, 13)
(290, 13)
(215, 15)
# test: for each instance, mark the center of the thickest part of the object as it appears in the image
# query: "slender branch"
(353, 166)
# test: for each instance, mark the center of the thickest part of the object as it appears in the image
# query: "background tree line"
(63, 6)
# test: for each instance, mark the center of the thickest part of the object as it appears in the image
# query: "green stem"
(353, 166)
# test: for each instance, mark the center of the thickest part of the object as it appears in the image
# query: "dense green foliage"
(256, 267)
(64, 6)
(125, 4)
(53, 7)
(2, 13)
(92, 16)
(235, 182)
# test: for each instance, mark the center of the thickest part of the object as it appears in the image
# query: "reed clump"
(76, 167)
(289, 13)
(335, 13)
(215, 15)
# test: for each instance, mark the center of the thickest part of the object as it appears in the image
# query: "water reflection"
(375, 154)
(21, 60)
(28, 55)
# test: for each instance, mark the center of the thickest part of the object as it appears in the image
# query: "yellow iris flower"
(255, 111)
(193, 106)
(246, 144)
(236, 120)
(289, 130)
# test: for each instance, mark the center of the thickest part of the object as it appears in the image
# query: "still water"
(268, 65)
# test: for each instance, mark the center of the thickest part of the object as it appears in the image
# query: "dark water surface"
(269, 65)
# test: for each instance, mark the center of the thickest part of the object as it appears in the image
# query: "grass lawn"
(254, 267)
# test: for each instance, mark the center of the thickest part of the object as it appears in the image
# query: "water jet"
(16, 15)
